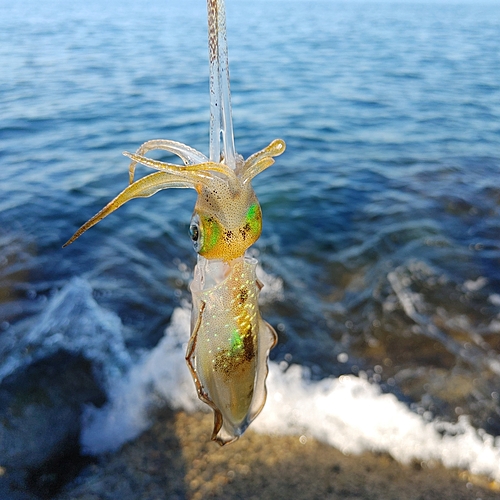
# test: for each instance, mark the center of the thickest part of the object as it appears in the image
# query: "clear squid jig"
(229, 346)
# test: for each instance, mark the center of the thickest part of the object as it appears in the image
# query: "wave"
(349, 412)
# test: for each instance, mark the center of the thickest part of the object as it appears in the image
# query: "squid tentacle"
(259, 161)
(275, 148)
(201, 170)
(187, 154)
(256, 168)
(143, 188)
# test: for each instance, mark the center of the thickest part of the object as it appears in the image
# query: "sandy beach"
(175, 459)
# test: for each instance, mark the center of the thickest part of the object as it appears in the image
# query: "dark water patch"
(47, 407)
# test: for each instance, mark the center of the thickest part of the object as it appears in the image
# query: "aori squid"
(229, 345)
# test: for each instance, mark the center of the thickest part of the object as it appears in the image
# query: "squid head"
(230, 342)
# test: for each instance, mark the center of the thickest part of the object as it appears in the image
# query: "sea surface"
(381, 243)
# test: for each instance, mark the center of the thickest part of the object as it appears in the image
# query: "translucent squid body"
(229, 346)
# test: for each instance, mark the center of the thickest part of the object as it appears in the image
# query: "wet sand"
(176, 459)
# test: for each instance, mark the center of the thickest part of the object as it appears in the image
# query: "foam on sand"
(347, 412)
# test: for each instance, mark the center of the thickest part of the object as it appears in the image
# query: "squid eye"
(195, 232)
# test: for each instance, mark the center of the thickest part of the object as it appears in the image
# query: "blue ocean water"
(382, 220)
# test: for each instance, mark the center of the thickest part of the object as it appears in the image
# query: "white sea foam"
(348, 413)
(160, 376)
(353, 415)
(74, 322)
(494, 298)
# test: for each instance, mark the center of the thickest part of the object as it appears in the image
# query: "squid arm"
(201, 170)
(187, 154)
(175, 176)
(143, 188)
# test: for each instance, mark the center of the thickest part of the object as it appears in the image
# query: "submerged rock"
(40, 409)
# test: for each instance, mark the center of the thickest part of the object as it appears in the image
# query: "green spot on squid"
(211, 234)
(236, 342)
(253, 218)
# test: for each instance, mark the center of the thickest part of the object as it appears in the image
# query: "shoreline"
(175, 459)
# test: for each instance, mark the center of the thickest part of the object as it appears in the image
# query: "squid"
(229, 346)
